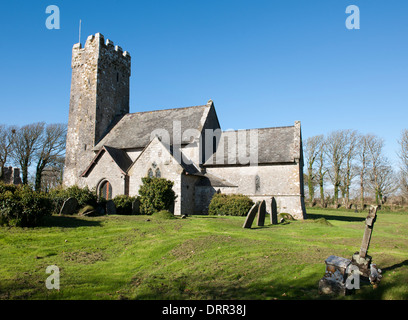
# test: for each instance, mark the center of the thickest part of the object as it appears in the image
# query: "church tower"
(99, 97)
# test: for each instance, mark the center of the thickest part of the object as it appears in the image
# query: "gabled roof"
(120, 157)
(188, 166)
(134, 130)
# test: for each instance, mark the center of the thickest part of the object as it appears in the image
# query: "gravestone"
(261, 214)
(335, 276)
(274, 212)
(340, 270)
(70, 206)
(370, 220)
(110, 207)
(251, 216)
(136, 206)
(361, 259)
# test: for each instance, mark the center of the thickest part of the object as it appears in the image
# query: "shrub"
(163, 214)
(217, 204)
(123, 204)
(84, 197)
(156, 194)
(23, 207)
(7, 187)
(230, 205)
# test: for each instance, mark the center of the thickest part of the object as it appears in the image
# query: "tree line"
(37, 145)
(346, 159)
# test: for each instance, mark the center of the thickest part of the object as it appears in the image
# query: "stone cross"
(370, 220)
(340, 270)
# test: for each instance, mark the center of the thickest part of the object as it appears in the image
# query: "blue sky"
(263, 63)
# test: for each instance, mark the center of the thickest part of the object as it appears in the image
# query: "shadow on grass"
(180, 288)
(395, 266)
(315, 216)
(68, 222)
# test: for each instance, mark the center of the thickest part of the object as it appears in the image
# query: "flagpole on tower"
(79, 30)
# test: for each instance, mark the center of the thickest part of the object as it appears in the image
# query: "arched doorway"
(105, 190)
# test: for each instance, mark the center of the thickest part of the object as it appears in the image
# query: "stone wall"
(188, 193)
(156, 156)
(99, 96)
(282, 181)
(202, 199)
(106, 170)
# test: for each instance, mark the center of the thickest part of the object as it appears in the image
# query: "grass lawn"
(201, 257)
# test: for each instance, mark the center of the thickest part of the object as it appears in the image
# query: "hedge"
(21, 206)
(230, 205)
(123, 204)
(84, 197)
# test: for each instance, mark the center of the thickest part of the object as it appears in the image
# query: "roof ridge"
(267, 128)
(168, 109)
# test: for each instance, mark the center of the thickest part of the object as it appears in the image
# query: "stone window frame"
(154, 171)
(257, 181)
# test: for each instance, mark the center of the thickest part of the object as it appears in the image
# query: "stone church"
(110, 149)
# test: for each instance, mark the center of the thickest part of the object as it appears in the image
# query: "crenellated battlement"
(96, 47)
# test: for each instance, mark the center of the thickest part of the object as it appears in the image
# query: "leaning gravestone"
(274, 212)
(251, 216)
(361, 259)
(110, 207)
(70, 206)
(261, 214)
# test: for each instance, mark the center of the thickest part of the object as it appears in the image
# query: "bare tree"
(321, 170)
(364, 162)
(312, 147)
(7, 134)
(381, 174)
(51, 147)
(27, 141)
(403, 155)
(386, 182)
(336, 143)
(349, 170)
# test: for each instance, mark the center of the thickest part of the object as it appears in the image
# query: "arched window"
(154, 171)
(158, 173)
(105, 190)
(257, 183)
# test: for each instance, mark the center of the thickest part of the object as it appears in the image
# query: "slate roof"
(120, 157)
(213, 181)
(188, 165)
(134, 130)
(275, 145)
